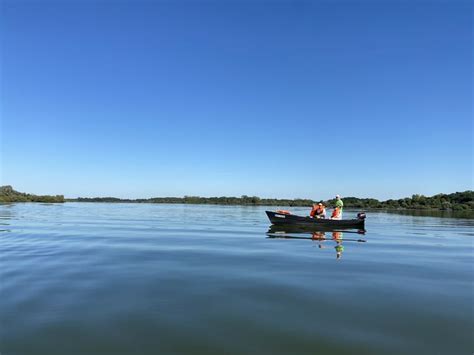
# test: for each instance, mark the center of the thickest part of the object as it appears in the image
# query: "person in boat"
(318, 211)
(336, 213)
(338, 207)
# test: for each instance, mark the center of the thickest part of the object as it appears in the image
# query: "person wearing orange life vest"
(318, 211)
(336, 213)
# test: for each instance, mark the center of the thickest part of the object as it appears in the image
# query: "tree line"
(7, 194)
(458, 201)
(455, 201)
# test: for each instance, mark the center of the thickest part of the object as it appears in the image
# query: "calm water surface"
(194, 279)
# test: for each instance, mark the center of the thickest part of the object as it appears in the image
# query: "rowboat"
(281, 219)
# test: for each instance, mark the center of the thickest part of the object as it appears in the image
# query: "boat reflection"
(299, 229)
(320, 236)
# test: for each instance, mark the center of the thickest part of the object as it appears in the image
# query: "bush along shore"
(7, 194)
(458, 201)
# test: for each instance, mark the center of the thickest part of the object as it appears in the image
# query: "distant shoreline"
(431, 212)
(458, 201)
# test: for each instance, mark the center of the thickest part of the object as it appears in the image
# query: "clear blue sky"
(271, 98)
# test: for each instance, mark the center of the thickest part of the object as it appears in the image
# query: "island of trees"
(7, 194)
(458, 201)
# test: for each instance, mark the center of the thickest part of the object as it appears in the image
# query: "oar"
(272, 235)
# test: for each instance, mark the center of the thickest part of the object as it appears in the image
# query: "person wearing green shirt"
(340, 205)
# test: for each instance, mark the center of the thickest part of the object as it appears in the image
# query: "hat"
(320, 204)
(338, 196)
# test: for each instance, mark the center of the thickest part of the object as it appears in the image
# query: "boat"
(287, 219)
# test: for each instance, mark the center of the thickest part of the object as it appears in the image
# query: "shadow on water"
(320, 236)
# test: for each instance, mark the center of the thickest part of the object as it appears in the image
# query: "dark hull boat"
(282, 219)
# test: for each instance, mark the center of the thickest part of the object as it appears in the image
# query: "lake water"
(92, 278)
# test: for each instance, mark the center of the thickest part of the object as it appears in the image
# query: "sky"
(301, 99)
